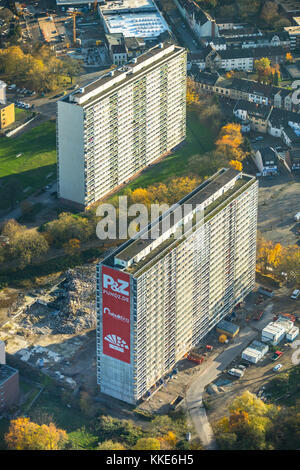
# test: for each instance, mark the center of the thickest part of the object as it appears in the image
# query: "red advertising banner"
(116, 314)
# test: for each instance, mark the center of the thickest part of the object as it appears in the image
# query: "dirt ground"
(279, 201)
(256, 377)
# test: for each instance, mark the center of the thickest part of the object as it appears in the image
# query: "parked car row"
(22, 91)
(21, 104)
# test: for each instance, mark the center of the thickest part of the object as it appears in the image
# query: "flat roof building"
(133, 18)
(161, 292)
(111, 129)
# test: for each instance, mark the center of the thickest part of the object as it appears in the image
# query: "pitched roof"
(193, 9)
(268, 155)
(281, 117)
(206, 78)
(259, 110)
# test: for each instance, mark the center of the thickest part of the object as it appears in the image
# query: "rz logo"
(116, 286)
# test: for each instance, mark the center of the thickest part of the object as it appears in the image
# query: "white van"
(295, 294)
(236, 372)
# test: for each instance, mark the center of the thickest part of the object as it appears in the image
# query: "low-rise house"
(119, 54)
(266, 161)
(281, 122)
(283, 99)
(234, 59)
(289, 136)
(205, 80)
(294, 159)
(219, 43)
(257, 114)
(199, 20)
(281, 38)
(294, 35)
(239, 89)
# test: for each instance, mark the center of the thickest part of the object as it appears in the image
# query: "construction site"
(49, 330)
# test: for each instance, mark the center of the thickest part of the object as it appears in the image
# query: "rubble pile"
(71, 311)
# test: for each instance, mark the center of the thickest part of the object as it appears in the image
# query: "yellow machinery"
(73, 15)
(222, 339)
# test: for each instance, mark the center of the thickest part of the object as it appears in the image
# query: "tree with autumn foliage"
(268, 254)
(110, 445)
(236, 165)
(192, 95)
(230, 141)
(23, 434)
(72, 247)
(147, 443)
(167, 193)
(263, 69)
(289, 57)
(290, 263)
(247, 424)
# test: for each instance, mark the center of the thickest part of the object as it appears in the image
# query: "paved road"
(195, 392)
(183, 31)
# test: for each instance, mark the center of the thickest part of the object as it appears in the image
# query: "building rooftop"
(120, 5)
(109, 81)
(290, 6)
(194, 9)
(295, 155)
(268, 156)
(146, 25)
(6, 372)
(259, 110)
(292, 30)
(206, 77)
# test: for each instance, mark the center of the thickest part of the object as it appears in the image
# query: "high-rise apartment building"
(111, 129)
(157, 297)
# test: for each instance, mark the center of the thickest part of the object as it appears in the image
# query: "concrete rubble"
(69, 310)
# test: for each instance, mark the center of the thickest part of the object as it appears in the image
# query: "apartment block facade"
(158, 297)
(111, 129)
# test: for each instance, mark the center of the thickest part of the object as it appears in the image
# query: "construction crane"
(73, 15)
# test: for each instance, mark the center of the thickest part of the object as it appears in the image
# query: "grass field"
(26, 163)
(21, 114)
(199, 140)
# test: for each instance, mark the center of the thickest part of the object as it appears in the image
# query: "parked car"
(295, 294)
(241, 367)
(277, 367)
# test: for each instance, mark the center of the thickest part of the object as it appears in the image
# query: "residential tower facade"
(158, 297)
(114, 127)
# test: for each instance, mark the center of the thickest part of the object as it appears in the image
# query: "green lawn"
(27, 163)
(21, 114)
(199, 140)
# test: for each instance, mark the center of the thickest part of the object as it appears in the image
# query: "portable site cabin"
(292, 334)
(273, 333)
(228, 328)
